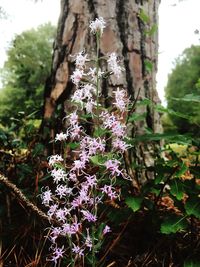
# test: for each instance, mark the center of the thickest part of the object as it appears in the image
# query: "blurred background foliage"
(24, 74)
(183, 93)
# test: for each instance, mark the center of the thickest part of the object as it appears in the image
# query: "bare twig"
(21, 197)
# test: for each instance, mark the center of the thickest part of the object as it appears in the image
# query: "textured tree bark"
(127, 35)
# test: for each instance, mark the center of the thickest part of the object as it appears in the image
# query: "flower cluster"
(80, 186)
(114, 66)
(97, 25)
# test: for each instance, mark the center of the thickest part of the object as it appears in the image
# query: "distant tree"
(25, 72)
(167, 123)
(183, 91)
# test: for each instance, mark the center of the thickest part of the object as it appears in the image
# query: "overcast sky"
(178, 21)
(23, 15)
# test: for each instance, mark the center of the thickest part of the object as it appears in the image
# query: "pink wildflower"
(106, 230)
(118, 129)
(75, 227)
(91, 180)
(88, 240)
(73, 118)
(121, 99)
(58, 175)
(118, 144)
(97, 25)
(75, 131)
(61, 215)
(76, 202)
(88, 91)
(78, 96)
(92, 145)
(89, 216)
(93, 73)
(77, 76)
(55, 159)
(66, 229)
(46, 197)
(72, 177)
(114, 65)
(63, 191)
(89, 106)
(108, 119)
(77, 250)
(78, 165)
(55, 233)
(113, 167)
(52, 210)
(80, 60)
(61, 137)
(57, 254)
(110, 191)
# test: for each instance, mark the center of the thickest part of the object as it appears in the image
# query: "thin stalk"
(98, 79)
(97, 99)
(93, 247)
(71, 255)
(94, 229)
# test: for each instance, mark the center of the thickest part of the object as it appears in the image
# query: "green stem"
(93, 247)
(97, 99)
(71, 255)
(98, 79)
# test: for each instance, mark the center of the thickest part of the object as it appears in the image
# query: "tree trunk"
(130, 33)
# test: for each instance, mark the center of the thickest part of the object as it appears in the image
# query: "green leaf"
(144, 17)
(38, 149)
(148, 65)
(159, 178)
(155, 191)
(152, 30)
(171, 137)
(190, 187)
(192, 206)
(98, 132)
(58, 165)
(86, 116)
(137, 117)
(191, 263)
(134, 203)
(177, 188)
(144, 102)
(3, 136)
(25, 168)
(188, 98)
(73, 145)
(98, 159)
(162, 109)
(173, 224)
(182, 170)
